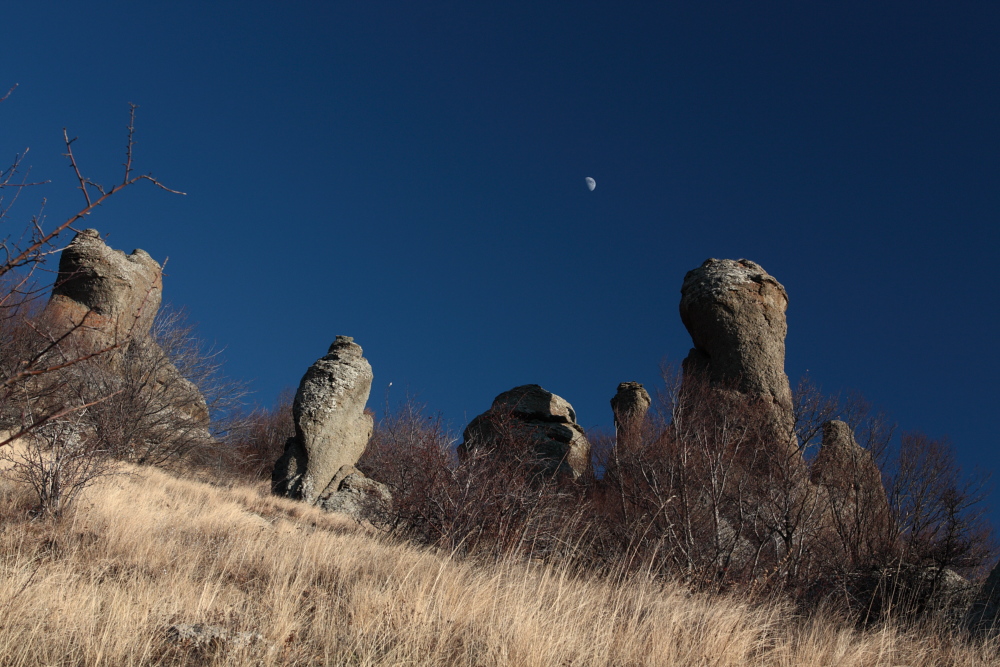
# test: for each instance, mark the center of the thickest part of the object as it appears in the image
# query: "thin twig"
(62, 413)
(128, 147)
(33, 249)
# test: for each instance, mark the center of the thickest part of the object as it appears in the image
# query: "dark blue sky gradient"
(412, 174)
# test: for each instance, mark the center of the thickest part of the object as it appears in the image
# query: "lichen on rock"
(332, 428)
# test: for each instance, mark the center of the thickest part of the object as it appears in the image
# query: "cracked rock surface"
(534, 417)
(122, 292)
(735, 313)
(332, 428)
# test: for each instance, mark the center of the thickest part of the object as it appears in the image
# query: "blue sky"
(411, 174)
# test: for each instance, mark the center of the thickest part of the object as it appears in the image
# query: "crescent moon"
(591, 183)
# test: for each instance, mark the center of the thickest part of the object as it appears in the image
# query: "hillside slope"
(147, 551)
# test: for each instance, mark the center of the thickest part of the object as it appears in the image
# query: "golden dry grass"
(148, 550)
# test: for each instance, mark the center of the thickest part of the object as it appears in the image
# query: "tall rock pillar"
(332, 428)
(735, 313)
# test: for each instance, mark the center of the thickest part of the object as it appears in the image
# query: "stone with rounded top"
(630, 404)
(735, 313)
(532, 416)
(332, 428)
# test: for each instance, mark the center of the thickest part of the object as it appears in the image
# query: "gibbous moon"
(591, 183)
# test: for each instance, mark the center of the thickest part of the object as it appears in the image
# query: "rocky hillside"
(156, 569)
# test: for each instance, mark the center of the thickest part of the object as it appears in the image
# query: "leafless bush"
(703, 492)
(494, 502)
(58, 460)
(893, 546)
(262, 439)
(940, 512)
(941, 531)
(38, 354)
(160, 399)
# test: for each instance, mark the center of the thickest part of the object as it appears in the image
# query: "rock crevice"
(529, 416)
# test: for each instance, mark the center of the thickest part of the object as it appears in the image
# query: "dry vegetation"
(482, 561)
(147, 550)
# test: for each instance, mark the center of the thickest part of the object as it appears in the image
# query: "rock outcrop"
(630, 404)
(529, 416)
(851, 479)
(845, 466)
(984, 614)
(119, 294)
(332, 428)
(735, 313)
(202, 636)
(355, 495)
(109, 300)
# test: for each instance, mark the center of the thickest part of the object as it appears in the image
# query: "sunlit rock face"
(332, 428)
(108, 299)
(121, 293)
(735, 313)
(537, 420)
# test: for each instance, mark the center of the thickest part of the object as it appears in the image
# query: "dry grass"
(149, 550)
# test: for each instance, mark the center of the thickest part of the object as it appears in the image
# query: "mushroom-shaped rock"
(332, 428)
(529, 416)
(630, 404)
(735, 313)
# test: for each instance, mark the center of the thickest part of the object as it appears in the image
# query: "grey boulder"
(351, 493)
(529, 416)
(332, 428)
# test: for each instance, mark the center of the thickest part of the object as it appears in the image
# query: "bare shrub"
(261, 440)
(704, 491)
(412, 453)
(940, 512)
(895, 546)
(495, 502)
(941, 530)
(159, 399)
(58, 460)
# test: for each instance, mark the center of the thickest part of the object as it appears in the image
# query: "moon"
(591, 183)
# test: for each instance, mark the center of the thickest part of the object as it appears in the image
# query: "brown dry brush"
(260, 439)
(707, 491)
(693, 492)
(147, 409)
(493, 502)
